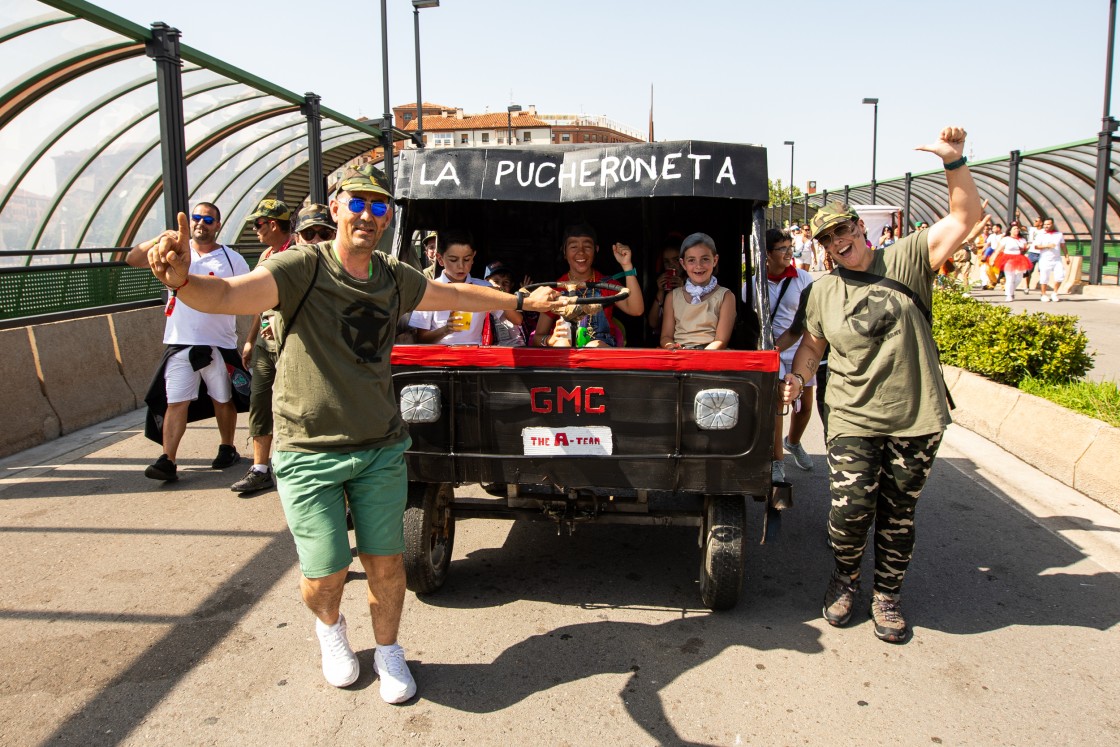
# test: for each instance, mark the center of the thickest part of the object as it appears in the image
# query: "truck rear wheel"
(429, 535)
(723, 562)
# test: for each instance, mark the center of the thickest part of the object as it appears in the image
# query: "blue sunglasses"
(207, 219)
(376, 208)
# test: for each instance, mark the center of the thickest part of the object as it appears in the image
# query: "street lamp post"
(387, 120)
(790, 144)
(1104, 161)
(509, 121)
(874, 143)
(417, 5)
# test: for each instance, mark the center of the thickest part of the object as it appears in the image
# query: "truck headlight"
(716, 409)
(420, 403)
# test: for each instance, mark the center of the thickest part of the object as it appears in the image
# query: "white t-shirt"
(1012, 245)
(186, 326)
(436, 319)
(1050, 253)
(782, 316)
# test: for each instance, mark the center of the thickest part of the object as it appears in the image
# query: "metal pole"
(874, 149)
(315, 178)
(791, 149)
(419, 99)
(847, 189)
(387, 120)
(509, 126)
(1013, 187)
(163, 47)
(906, 202)
(1104, 161)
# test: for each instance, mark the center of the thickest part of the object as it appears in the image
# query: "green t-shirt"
(334, 390)
(884, 375)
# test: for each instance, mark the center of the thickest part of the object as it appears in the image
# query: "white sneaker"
(800, 457)
(1054, 298)
(1045, 299)
(397, 684)
(340, 665)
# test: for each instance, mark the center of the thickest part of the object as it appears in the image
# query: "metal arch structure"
(85, 70)
(1058, 182)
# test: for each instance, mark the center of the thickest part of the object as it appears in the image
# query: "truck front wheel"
(429, 535)
(723, 562)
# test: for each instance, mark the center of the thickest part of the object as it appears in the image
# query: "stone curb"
(1072, 448)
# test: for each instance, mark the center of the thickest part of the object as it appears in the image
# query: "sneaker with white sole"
(1054, 298)
(340, 665)
(397, 684)
(777, 471)
(800, 457)
(1045, 298)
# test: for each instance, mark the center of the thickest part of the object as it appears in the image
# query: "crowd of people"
(326, 428)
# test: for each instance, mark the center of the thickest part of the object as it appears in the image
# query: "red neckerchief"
(790, 272)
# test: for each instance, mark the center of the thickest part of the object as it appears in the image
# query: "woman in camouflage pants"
(886, 396)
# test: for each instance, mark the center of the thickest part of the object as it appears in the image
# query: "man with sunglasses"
(339, 434)
(272, 220)
(313, 224)
(199, 346)
(887, 400)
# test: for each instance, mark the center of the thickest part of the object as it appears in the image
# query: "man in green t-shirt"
(339, 438)
(886, 397)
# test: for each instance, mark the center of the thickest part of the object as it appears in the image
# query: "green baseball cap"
(314, 215)
(832, 214)
(273, 209)
(365, 178)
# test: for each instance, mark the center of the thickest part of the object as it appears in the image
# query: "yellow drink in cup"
(460, 321)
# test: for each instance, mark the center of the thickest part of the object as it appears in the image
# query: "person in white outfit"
(1051, 247)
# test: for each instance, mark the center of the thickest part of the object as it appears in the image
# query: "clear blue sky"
(1020, 74)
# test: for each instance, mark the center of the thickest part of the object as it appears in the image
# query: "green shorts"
(315, 489)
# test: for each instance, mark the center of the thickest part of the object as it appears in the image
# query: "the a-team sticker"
(576, 440)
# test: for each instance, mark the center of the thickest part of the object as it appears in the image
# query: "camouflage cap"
(429, 235)
(273, 209)
(832, 214)
(314, 215)
(365, 178)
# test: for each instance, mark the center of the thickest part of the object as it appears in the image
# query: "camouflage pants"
(877, 480)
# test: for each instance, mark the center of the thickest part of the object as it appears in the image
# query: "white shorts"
(181, 382)
(1051, 269)
(811, 381)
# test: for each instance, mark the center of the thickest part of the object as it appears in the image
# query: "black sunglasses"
(259, 222)
(207, 219)
(321, 232)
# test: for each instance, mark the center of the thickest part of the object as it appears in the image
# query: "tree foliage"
(779, 194)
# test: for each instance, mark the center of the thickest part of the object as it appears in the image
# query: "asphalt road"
(143, 614)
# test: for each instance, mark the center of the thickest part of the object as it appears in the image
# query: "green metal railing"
(50, 289)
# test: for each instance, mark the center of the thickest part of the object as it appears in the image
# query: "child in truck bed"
(700, 314)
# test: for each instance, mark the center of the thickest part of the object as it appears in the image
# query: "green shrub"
(1006, 347)
(1097, 399)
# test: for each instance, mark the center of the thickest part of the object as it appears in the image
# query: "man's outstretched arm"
(170, 260)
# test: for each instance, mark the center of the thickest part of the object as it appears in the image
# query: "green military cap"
(365, 178)
(832, 214)
(273, 209)
(314, 215)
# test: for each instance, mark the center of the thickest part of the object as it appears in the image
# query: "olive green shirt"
(884, 375)
(334, 390)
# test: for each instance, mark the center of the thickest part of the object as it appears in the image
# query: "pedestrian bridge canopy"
(81, 166)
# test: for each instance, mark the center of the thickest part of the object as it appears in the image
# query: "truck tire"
(722, 564)
(429, 535)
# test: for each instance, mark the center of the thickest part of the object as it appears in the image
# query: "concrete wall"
(63, 376)
(28, 417)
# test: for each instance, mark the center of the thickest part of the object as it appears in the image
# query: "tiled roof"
(491, 121)
(427, 105)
